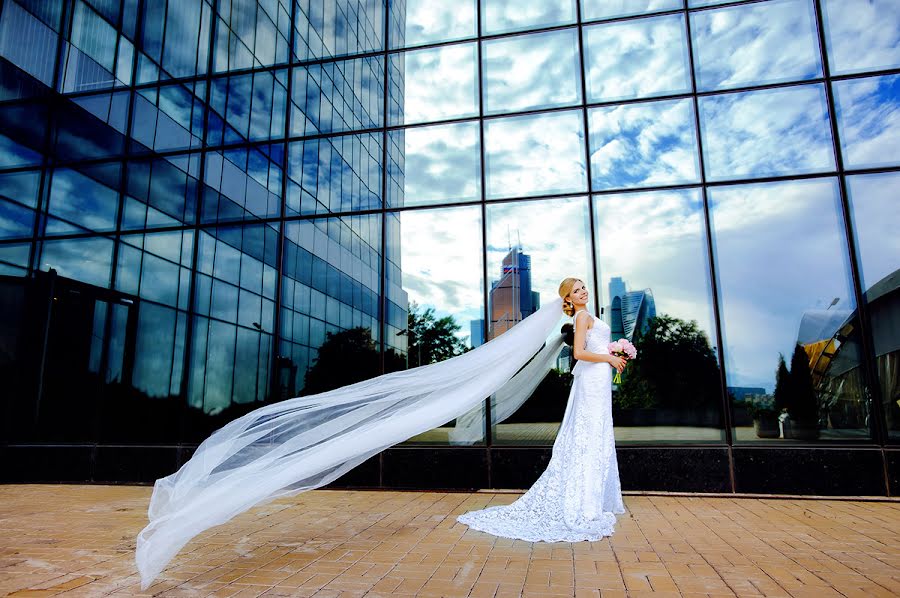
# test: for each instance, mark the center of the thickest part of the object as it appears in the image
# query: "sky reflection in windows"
(868, 113)
(535, 155)
(766, 133)
(636, 59)
(641, 145)
(531, 72)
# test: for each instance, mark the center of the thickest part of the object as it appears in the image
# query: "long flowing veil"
(306, 442)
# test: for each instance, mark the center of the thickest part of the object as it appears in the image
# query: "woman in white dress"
(579, 494)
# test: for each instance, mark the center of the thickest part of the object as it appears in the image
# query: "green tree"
(431, 339)
(346, 357)
(804, 403)
(675, 367)
(781, 395)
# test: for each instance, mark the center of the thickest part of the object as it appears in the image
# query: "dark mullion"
(282, 237)
(190, 316)
(382, 276)
(710, 252)
(382, 211)
(587, 165)
(872, 391)
(485, 281)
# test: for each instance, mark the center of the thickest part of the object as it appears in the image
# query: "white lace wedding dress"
(579, 494)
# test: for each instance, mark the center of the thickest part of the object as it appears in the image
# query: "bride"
(578, 495)
(306, 442)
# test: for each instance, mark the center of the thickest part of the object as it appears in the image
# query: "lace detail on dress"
(578, 495)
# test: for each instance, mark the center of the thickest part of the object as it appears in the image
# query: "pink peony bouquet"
(624, 349)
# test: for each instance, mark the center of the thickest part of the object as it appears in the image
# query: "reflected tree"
(431, 339)
(346, 357)
(676, 367)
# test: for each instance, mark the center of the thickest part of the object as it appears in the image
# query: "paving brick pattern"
(79, 541)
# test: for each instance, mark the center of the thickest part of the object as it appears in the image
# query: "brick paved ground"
(79, 541)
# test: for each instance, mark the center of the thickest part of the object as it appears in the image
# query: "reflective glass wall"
(208, 205)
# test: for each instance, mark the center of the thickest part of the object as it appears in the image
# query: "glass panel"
(435, 297)
(660, 299)
(417, 22)
(338, 96)
(338, 174)
(862, 35)
(329, 304)
(868, 112)
(438, 164)
(692, 3)
(84, 201)
(248, 107)
(87, 260)
(18, 198)
(16, 155)
(636, 59)
(532, 247)
(531, 71)
(161, 192)
(535, 155)
(232, 345)
(640, 145)
(27, 43)
(433, 84)
(324, 28)
(608, 9)
(242, 184)
(785, 294)
(766, 42)
(873, 211)
(500, 16)
(766, 133)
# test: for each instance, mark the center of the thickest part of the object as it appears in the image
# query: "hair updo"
(565, 287)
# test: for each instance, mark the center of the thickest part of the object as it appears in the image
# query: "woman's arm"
(581, 354)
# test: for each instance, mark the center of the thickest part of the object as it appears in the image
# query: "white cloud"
(438, 83)
(757, 43)
(636, 59)
(535, 154)
(869, 119)
(499, 16)
(862, 34)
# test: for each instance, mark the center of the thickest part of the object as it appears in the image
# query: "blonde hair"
(565, 287)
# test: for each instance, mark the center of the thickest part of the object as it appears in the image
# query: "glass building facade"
(209, 205)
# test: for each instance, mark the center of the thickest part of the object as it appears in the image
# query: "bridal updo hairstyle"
(565, 287)
(568, 329)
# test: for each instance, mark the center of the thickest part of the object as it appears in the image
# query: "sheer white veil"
(306, 442)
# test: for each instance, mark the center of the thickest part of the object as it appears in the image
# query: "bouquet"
(624, 349)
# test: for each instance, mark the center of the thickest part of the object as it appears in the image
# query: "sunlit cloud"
(758, 43)
(440, 163)
(862, 34)
(531, 71)
(500, 16)
(769, 132)
(599, 9)
(643, 144)
(435, 84)
(440, 260)
(868, 113)
(535, 154)
(639, 58)
(427, 21)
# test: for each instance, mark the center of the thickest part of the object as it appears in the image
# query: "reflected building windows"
(873, 208)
